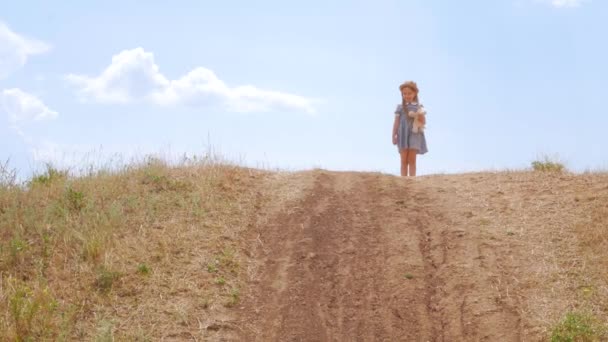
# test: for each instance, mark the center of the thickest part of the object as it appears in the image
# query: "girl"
(409, 143)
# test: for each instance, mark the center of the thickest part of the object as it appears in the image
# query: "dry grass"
(592, 234)
(561, 221)
(129, 254)
(565, 217)
(580, 262)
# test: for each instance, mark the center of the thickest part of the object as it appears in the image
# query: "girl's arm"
(395, 128)
(396, 125)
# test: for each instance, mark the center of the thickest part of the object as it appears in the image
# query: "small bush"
(548, 165)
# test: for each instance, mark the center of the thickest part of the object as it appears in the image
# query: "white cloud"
(564, 3)
(22, 107)
(15, 49)
(134, 76)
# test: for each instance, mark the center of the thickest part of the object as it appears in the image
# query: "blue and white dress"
(405, 137)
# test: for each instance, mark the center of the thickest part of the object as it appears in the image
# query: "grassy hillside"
(153, 251)
(129, 254)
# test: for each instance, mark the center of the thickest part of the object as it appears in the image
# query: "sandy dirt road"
(366, 257)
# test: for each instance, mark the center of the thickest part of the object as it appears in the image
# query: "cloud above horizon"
(15, 50)
(22, 107)
(134, 76)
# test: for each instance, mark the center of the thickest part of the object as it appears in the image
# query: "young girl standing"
(408, 142)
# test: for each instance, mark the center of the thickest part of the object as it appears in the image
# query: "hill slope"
(226, 253)
(491, 257)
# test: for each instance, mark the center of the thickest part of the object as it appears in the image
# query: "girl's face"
(408, 94)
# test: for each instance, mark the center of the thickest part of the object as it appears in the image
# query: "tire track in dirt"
(472, 274)
(369, 257)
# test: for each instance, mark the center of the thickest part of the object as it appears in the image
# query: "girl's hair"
(411, 85)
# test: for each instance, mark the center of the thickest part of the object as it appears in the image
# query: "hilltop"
(221, 252)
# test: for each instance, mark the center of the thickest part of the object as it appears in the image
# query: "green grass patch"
(579, 327)
(220, 281)
(233, 298)
(75, 199)
(49, 176)
(143, 269)
(31, 311)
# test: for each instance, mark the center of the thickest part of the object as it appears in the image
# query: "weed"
(143, 269)
(30, 310)
(17, 246)
(212, 267)
(162, 182)
(8, 176)
(45, 252)
(227, 258)
(92, 249)
(206, 303)
(105, 279)
(220, 281)
(105, 331)
(50, 175)
(233, 298)
(67, 322)
(484, 222)
(75, 199)
(587, 291)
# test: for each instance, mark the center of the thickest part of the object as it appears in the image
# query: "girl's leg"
(411, 161)
(403, 154)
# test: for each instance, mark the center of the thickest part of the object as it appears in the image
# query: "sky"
(300, 85)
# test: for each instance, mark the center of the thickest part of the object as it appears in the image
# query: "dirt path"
(366, 257)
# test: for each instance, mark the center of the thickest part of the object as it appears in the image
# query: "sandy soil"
(366, 257)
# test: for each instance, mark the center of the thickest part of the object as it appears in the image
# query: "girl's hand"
(422, 119)
(394, 139)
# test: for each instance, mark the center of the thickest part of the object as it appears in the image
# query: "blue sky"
(300, 85)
